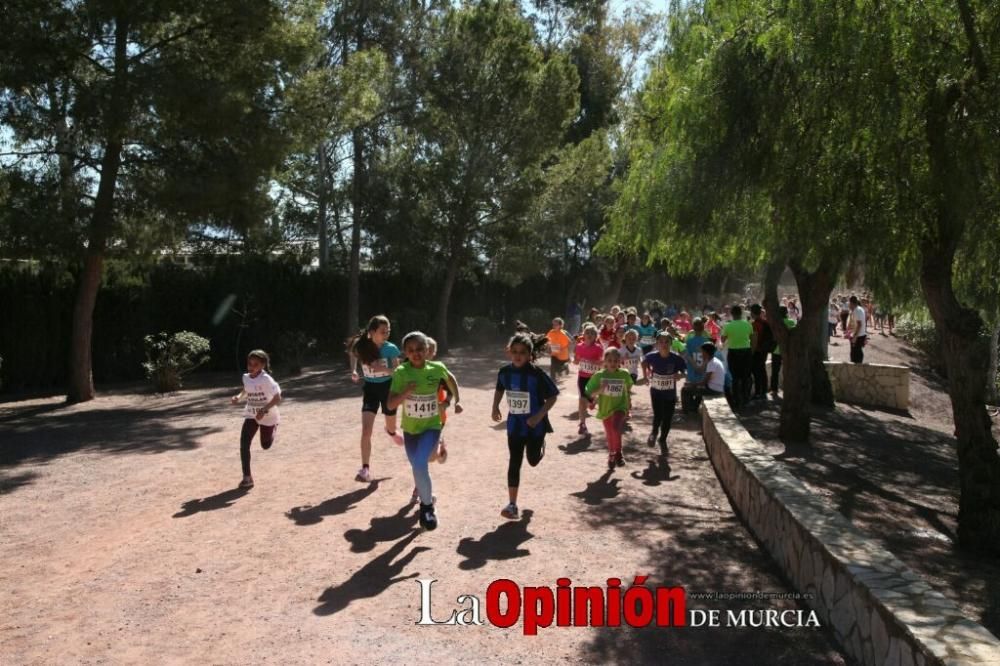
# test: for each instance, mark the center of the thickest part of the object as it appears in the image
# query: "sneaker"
(509, 511)
(651, 440)
(428, 520)
(582, 430)
(364, 475)
(395, 437)
(442, 454)
(247, 482)
(620, 459)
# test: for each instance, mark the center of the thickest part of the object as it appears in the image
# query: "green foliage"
(294, 347)
(537, 319)
(171, 356)
(480, 330)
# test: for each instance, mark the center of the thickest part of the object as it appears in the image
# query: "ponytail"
(361, 344)
(536, 344)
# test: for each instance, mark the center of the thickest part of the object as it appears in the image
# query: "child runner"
(610, 389)
(444, 400)
(415, 385)
(378, 358)
(631, 354)
(609, 332)
(647, 333)
(263, 395)
(530, 396)
(560, 345)
(664, 368)
(588, 355)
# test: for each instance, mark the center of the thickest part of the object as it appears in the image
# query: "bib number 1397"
(518, 403)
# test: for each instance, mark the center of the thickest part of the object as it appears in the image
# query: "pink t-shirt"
(591, 358)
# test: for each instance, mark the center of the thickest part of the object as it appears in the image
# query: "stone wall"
(868, 384)
(880, 611)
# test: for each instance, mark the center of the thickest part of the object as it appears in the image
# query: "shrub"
(537, 319)
(295, 347)
(170, 357)
(480, 329)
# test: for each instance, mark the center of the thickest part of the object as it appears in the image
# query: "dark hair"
(535, 343)
(755, 309)
(736, 311)
(263, 357)
(521, 327)
(782, 311)
(361, 343)
(709, 348)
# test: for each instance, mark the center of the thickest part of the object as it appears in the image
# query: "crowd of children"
(679, 356)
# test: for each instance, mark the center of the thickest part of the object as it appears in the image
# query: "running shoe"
(364, 475)
(611, 462)
(395, 437)
(428, 520)
(509, 511)
(619, 459)
(651, 440)
(246, 483)
(582, 430)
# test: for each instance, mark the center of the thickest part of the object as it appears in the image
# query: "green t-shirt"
(420, 409)
(737, 334)
(789, 323)
(615, 397)
(678, 346)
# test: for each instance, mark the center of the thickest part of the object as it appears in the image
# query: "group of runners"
(612, 353)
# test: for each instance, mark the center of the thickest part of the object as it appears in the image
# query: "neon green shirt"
(615, 397)
(789, 323)
(737, 334)
(678, 346)
(420, 409)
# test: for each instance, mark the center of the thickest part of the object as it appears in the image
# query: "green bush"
(480, 329)
(295, 347)
(170, 357)
(537, 319)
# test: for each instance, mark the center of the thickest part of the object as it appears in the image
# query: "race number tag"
(589, 367)
(554, 348)
(647, 341)
(614, 388)
(422, 406)
(661, 383)
(378, 369)
(518, 403)
(631, 365)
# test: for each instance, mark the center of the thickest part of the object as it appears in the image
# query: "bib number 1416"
(422, 406)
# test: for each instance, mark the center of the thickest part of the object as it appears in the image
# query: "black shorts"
(376, 394)
(581, 383)
(558, 366)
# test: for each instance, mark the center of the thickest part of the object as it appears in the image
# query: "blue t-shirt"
(696, 367)
(648, 332)
(381, 370)
(529, 382)
(667, 366)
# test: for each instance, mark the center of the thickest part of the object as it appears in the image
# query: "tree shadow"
(656, 472)
(577, 446)
(371, 580)
(384, 528)
(500, 544)
(597, 492)
(309, 514)
(223, 500)
(9, 484)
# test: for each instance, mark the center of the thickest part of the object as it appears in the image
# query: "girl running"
(609, 389)
(560, 345)
(664, 368)
(647, 333)
(631, 354)
(609, 332)
(378, 358)
(530, 396)
(415, 385)
(444, 400)
(588, 355)
(262, 395)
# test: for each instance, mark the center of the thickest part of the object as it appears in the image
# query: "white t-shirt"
(260, 390)
(717, 382)
(834, 316)
(859, 315)
(631, 359)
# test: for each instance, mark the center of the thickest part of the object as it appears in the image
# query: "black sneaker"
(428, 520)
(651, 440)
(620, 459)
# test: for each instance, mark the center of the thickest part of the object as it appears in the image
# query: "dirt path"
(123, 540)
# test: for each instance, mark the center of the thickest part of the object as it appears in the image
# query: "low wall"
(880, 611)
(868, 384)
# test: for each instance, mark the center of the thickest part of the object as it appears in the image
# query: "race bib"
(631, 365)
(590, 367)
(554, 348)
(614, 388)
(422, 406)
(378, 369)
(662, 383)
(518, 403)
(647, 341)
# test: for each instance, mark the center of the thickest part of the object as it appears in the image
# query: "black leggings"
(775, 371)
(664, 403)
(250, 427)
(517, 445)
(741, 366)
(759, 371)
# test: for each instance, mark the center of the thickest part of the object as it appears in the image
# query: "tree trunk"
(81, 377)
(619, 283)
(805, 378)
(441, 322)
(357, 219)
(322, 221)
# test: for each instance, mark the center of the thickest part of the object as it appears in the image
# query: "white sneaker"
(364, 475)
(509, 511)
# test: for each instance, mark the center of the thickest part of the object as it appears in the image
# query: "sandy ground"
(124, 540)
(895, 476)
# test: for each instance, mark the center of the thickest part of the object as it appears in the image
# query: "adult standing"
(858, 331)
(737, 335)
